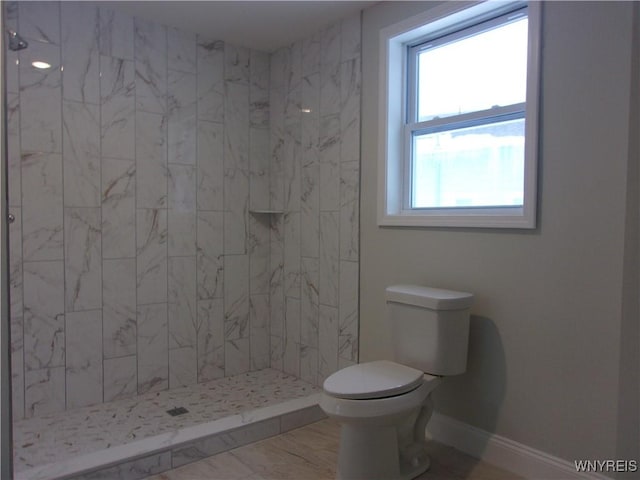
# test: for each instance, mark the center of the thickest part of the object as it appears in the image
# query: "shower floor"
(57, 446)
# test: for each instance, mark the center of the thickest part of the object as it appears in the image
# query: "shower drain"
(174, 412)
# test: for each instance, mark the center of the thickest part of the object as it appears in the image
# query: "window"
(459, 125)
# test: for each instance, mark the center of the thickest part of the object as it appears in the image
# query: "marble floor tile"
(49, 439)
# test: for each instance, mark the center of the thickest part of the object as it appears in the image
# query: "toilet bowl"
(384, 406)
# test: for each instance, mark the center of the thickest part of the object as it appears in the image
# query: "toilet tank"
(430, 328)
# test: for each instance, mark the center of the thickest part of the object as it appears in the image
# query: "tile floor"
(53, 439)
(310, 453)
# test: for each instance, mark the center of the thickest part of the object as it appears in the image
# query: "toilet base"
(387, 447)
(374, 454)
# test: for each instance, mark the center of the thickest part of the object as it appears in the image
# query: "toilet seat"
(372, 380)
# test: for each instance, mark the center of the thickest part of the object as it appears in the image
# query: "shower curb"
(153, 455)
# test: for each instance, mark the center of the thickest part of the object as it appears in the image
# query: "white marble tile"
(259, 168)
(348, 333)
(350, 37)
(181, 50)
(44, 391)
(118, 208)
(210, 339)
(181, 99)
(119, 378)
(15, 264)
(182, 303)
(40, 21)
(236, 167)
(277, 352)
(276, 180)
(292, 255)
(291, 356)
(210, 166)
(327, 342)
(350, 111)
(40, 99)
(81, 154)
(236, 356)
(276, 287)
(310, 101)
(310, 211)
(293, 86)
(330, 71)
(42, 210)
(182, 210)
(210, 265)
(258, 245)
(183, 367)
(309, 364)
(311, 54)
(151, 160)
(133, 470)
(236, 68)
(117, 96)
(259, 331)
(14, 177)
(344, 363)
(153, 348)
(83, 259)
(329, 151)
(236, 221)
(210, 58)
(236, 297)
(292, 160)
(80, 51)
(17, 369)
(43, 314)
(182, 233)
(182, 187)
(309, 302)
(151, 256)
(83, 358)
(119, 307)
(215, 444)
(278, 68)
(301, 417)
(116, 34)
(349, 211)
(150, 47)
(329, 266)
(259, 89)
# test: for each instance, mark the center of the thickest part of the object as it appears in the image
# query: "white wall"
(546, 331)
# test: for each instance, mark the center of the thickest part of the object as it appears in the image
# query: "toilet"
(384, 406)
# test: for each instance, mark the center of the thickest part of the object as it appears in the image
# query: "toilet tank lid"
(428, 297)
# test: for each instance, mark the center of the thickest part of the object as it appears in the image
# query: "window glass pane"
(480, 166)
(473, 73)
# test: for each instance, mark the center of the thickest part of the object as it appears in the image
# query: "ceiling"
(261, 25)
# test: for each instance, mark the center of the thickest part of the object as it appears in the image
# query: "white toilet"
(384, 406)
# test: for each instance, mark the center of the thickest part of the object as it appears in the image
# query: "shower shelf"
(257, 211)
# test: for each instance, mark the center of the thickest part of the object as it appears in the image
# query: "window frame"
(395, 131)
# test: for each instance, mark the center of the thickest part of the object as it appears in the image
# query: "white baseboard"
(504, 453)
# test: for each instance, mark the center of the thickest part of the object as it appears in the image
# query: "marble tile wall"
(315, 160)
(133, 161)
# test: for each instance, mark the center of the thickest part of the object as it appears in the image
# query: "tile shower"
(135, 162)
